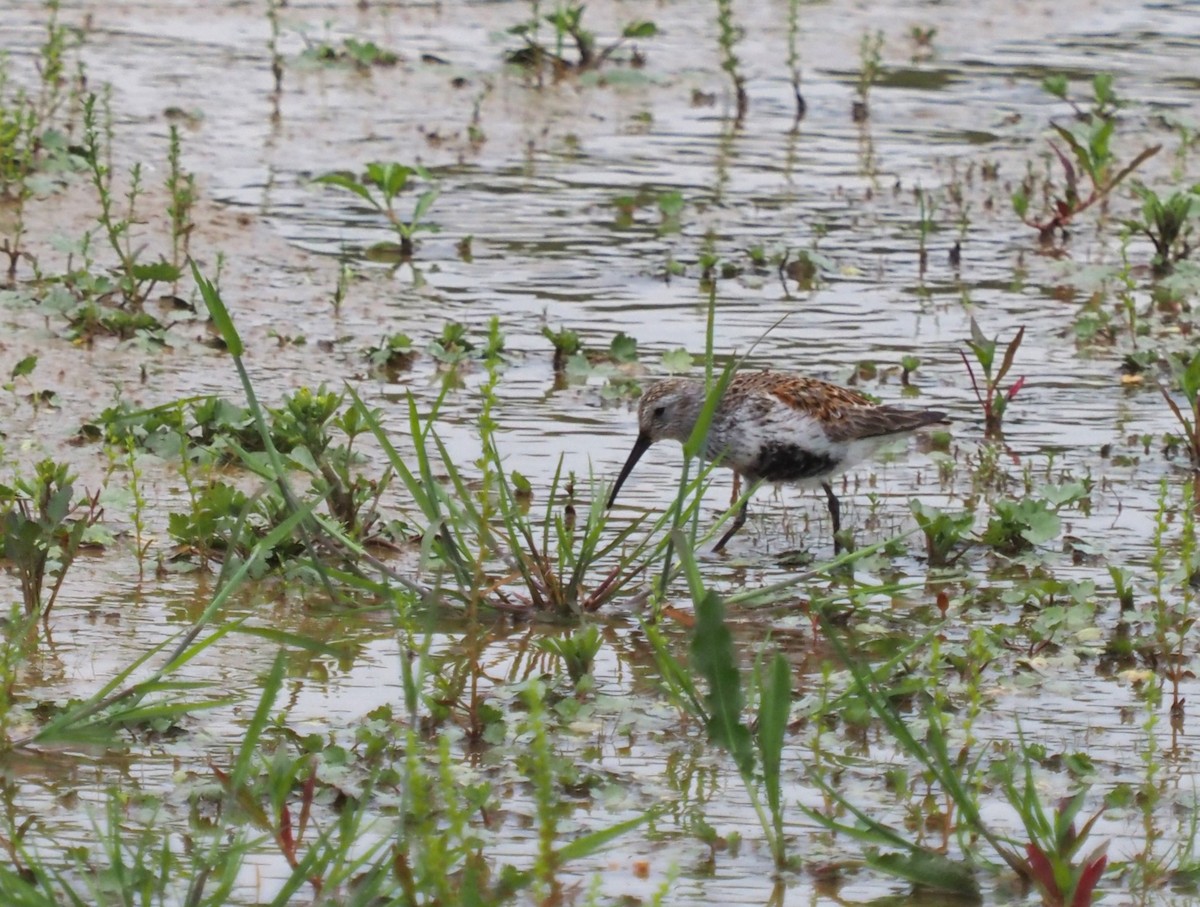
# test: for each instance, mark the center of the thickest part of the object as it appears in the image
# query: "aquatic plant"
(393, 354)
(43, 526)
(992, 399)
(363, 55)
(1016, 525)
(889, 849)
(670, 206)
(566, 344)
(943, 531)
(181, 187)
(34, 126)
(1175, 568)
(1104, 100)
(273, 7)
(380, 186)
(481, 533)
(922, 37)
(757, 751)
(1051, 861)
(926, 224)
(1122, 586)
(1052, 851)
(870, 57)
(137, 278)
(454, 345)
(345, 277)
(1168, 223)
(90, 319)
(577, 651)
(1093, 156)
(793, 58)
(1186, 372)
(573, 360)
(304, 423)
(567, 22)
(138, 513)
(729, 35)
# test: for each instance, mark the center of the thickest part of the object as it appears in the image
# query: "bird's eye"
(659, 412)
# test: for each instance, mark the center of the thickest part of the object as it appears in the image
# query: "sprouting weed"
(273, 7)
(943, 531)
(34, 126)
(380, 186)
(793, 58)
(43, 527)
(870, 58)
(363, 55)
(137, 278)
(1168, 222)
(1187, 377)
(567, 23)
(1091, 157)
(729, 35)
(181, 186)
(992, 398)
(577, 652)
(1105, 102)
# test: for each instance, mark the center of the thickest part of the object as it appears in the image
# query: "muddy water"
(549, 246)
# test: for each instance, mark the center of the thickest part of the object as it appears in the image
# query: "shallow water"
(548, 246)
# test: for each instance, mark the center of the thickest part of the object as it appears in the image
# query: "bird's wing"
(856, 423)
(812, 397)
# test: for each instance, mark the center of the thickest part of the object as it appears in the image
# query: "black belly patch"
(782, 462)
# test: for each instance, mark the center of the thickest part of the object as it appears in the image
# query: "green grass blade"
(586, 845)
(271, 685)
(774, 707)
(678, 680)
(930, 870)
(714, 658)
(218, 312)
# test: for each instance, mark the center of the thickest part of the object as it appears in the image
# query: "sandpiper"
(774, 427)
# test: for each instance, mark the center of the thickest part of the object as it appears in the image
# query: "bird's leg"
(737, 489)
(835, 515)
(738, 522)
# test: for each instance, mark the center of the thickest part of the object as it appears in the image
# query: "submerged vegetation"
(314, 595)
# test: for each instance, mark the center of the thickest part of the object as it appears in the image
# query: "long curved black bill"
(639, 448)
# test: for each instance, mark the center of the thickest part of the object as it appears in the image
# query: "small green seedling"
(870, 58)
(1091, 157)
(1018, 525)
(392, 355)
(623, 348)
(729, 33)
(137, 278)
(566, 344)
(922, 40)
(577, 651)
(1187, 376)
(363, 55)
(1123, 586)
(1167, 223)
(943, 531)
(42, 528)
(567, 22)
(380, 187)
(1052, 851)
(1105, 102)
(992, 399)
